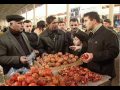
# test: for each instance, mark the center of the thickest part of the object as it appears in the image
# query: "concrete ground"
(116, 80)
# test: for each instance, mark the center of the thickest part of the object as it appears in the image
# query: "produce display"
(58, 59)
(70, 76)
(84, 56)
(35, 77)
(74, 76)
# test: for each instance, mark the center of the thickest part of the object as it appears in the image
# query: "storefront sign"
(75, 12)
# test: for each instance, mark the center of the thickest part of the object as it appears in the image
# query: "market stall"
(55, 70)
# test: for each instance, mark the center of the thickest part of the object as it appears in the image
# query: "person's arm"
(41, 47)
(7, 60)
(67, 43)
(110, 52)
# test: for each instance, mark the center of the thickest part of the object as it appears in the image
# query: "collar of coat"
(57, 31)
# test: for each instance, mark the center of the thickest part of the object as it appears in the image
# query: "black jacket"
(105, 48)
(33, 39)
(82, 36)
(51, 44)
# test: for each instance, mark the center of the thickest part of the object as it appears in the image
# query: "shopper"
(52, 40)
(79, 45)
(103, 46)
(14, 45)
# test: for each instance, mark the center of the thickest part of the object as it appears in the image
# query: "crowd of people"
(98, 41)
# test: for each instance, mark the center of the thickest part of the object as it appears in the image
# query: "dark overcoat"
(11, 50)
(51, 46)
(105, 48)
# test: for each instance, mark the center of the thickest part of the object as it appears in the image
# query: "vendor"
(103, 46)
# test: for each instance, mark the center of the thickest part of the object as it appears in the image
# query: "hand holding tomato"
(87, 57)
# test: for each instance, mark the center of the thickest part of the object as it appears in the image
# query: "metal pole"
(26, 12)
(34, 21)
(46, 11)
(111, 13)
(67, 15)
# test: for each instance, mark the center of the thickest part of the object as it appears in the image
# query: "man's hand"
(87, 57)
(23, 59)
(44, 54)
(36, 52)
(75, 48)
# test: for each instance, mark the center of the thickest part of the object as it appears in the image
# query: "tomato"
(84, 56)
(65, 58)
(30, 79)
(71, 56)
(35, 75)
(47, 72)
(21, 78)
(76, 57)
(17, 84)
(24, 83)
(32, 84)
(34, 70)
(41, 82)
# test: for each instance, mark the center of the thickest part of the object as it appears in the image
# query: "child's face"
(76, 41)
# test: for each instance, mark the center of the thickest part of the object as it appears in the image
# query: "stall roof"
(6, 9)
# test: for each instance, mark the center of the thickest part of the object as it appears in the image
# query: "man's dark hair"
(73, 19)
(107, 20)
(49, 19)
(41, 24)
(101, 21)
(27, 21)
(61, 21)
(93, 15)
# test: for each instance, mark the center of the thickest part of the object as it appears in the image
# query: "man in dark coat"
(32, 37)
(52, 40)
(14, 45)
(103, 46)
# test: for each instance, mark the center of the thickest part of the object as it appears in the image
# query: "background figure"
(14, 45)
(32, 37)
(40, 27)
(27, 26)
(4, 29)
(62, 26)
(107, 24)
(103, 46)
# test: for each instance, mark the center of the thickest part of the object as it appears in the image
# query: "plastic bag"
(31, 57)
(12, 71)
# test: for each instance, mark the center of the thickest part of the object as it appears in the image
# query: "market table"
(103, 82)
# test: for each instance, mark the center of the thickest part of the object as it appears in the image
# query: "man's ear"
(11, 23)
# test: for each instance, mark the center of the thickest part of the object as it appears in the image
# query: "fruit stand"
(56, 70)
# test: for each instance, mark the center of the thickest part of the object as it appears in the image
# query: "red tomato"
(32, 84)
(84, 56)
